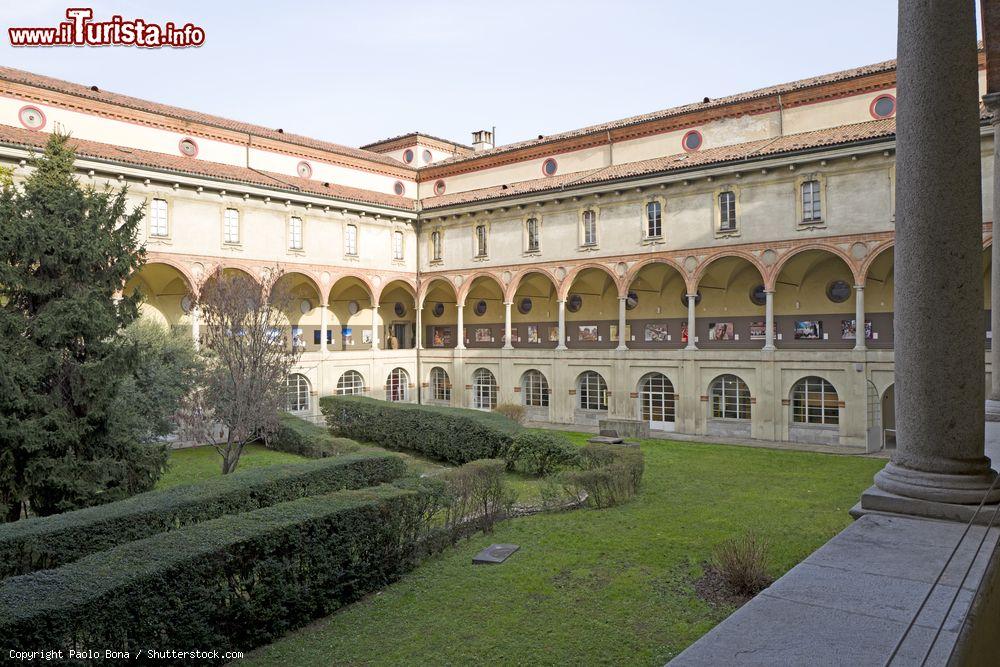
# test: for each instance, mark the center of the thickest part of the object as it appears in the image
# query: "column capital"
(992, 103)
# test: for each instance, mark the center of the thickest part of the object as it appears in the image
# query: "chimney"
(482, 140)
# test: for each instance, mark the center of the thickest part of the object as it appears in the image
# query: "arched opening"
(889, 417)
(591, 397)
(655, 312)
(591, 309)
(657, 401)
(440, 314)
(729, 406)
(303, 309)
(397, 386)
(484, 389)
(166, 293)
(297, 393)
(350, 383)
(814, 296)
(535, 395)
(814, 411)
(732, 310)
(878, 303)
(535, 312)
(484, 313)
(351, 305)
(440, 386)
(397, 306)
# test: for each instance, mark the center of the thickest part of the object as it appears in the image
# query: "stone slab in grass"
(494, 554)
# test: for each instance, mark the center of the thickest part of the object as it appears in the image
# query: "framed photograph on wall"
(441, 337)
(483, 334)
(758, 330)
(720, 330)
(587, 333)
(533, 336)
(656, 332)
(809, 330)
(684, 333)
(553, 334)
(366, 336)
(848, 330)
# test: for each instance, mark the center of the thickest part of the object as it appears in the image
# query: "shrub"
(453, 435)
(610, 474)
(297, 436)
(512, 411)
(36, 544)
(230, 583)
(742, 561)
(478, 494)
(539, 453)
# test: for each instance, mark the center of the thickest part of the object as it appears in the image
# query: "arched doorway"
(657, 401)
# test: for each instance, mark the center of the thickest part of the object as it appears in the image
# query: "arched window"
(436, 245)
(531, 232)
(730, 398)
(815, 401)
(656, 401)
(727, 211)
(589, 227)
(484, 390)
(297, 393)
(350, 383)
(811, 206)
(654, 220)
(534, 389)
(481, 241)
(440, 384)
(593, 391)
(397, 245)
(397, 385)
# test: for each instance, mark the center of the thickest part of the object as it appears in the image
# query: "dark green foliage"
(231, 583)
(65, 250)
(35, 544)
(610, 475)
(453, 435)
(297, 436)
(540, 453)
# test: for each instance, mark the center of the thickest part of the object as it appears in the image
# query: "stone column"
(419, 342)
(622, 345)
(460, 334)
(860, 342)
(324, 326)
(691, 304)
(196, 326)
(939, 454)
(508, 341)
(562, 325)
(992, 102)
(376, 321)
(769, 320)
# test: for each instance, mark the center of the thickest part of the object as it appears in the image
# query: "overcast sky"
(354, 72)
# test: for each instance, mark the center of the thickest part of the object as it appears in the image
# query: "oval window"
(31, 117)
(399, 309)
(692, 140)
(188, 147)
(549, 167)
(838, 291)
(428, 158)
(439, 188)
(757, 295)
(438, 309)
(352, 307)
(399, 188)
(305, 169)
(480, 307)
(408, 156)
(524, 306)
(574, 303)
(632, 300)
(883, 106)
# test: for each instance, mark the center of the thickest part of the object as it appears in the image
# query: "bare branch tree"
(247, 361)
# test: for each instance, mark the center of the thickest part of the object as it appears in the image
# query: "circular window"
(549, 167)
(480, 307)
(304, 169)
(574, 303)
(31, 117)
(439, 188)
(305, 306)
(399, 188)
(838, 291)
(399, 309)
(883, 106)
(632, 300)
(408, 156)
(188, 147)
(438, 309)
(691, 141)
(428, 158)
(524, 307)
(352, 307)
(757, 295)
(684, 298)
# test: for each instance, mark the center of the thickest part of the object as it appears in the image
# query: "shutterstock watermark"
(82, 30)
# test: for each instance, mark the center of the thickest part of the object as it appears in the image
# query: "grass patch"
(195, 464)
(610, 586)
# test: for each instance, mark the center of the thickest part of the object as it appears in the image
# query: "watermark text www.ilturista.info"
(82, 30)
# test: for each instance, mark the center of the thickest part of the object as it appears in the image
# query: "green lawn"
(611, 586)
(200, 463)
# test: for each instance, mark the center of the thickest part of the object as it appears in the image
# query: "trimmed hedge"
(297, 436)
(232, 583)
(454, 435)
(610, 475)
(37, 544)
(540, 453)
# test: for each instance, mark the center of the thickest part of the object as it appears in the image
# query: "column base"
(877, 501)
(768, 348)
(956, 489)
(561, 347)
(507, 347)
(622, 348)
(691, 347)
(992, 410)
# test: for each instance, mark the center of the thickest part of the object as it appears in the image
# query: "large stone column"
(993, 400)
(769, 320)
(418, 342)
(508, 341)
(691, 322)
(860, 342)
(622, 301)
(562, 325)
(460, 334)
(938, 261)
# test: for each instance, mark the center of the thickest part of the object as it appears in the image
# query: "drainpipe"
(781, 117)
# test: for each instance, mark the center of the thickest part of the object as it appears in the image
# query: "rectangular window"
(654, 220)
(295, 233)
(231, 227)
(532, 231)
(727, 212)
(436, 246)
(397, 245)
(811, 208)
(589, 228)
(480, 240)
(351, 240)
(158, 217)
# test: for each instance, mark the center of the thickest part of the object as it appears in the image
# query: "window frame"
(351, 244)
(648, 232)
(481, 241)
(589, 217)
(592, 392)
(530, 234)
(153, 226)
(351, 388)
(227, 238)
(817, 200)
(398, 249)
(300, 399)
(437, 245)
(804, 392)
(440, 384)
(491, 393)
(296, 237)
(534, 389)
(397, 386)
(729, 399)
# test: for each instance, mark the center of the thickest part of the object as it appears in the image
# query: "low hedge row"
(297, 436)
(609, 474)
(46, 542)
(232, 583)
(454, 435)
